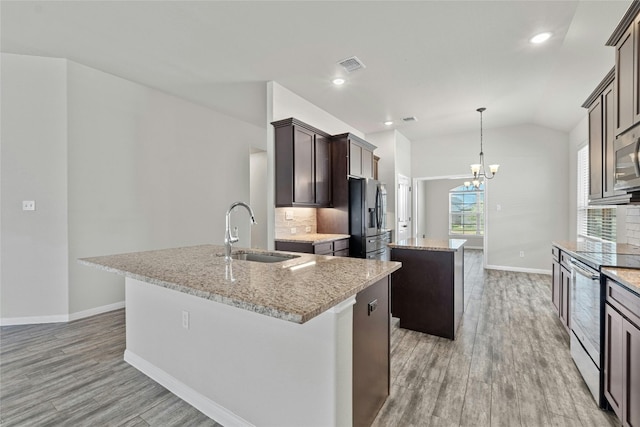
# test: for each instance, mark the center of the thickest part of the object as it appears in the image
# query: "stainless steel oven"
(585, 323)
(627, 152)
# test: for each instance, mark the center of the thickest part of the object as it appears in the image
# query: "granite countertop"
(628, 277)
(313, 238)
(444, 245)
(295, 290)
(589, 246)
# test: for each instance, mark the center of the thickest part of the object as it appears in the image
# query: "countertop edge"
(244, 305)
(312, 241)
(613, 275)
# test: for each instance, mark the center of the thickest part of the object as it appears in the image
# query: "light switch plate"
(28, 205)
(288, 215)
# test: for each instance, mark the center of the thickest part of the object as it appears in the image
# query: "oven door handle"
(576, 266)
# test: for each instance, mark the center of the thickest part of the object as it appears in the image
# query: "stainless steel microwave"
(627, 154)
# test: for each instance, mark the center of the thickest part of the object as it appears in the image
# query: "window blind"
(596, 222)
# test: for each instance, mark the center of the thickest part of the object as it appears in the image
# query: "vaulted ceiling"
(435, 60)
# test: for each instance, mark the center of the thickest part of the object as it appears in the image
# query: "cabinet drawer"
(565, 259)
(339, 245)
(343, 252)
(624, 301)
(555, 253)
(323, 248)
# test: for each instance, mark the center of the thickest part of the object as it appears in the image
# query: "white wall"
(531, 188)
(578, 138)
(34, 250)
(258, 199)
(146, 170)
(433, 210)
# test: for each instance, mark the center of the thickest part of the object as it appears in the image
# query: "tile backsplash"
(632, 226)
(302, 219)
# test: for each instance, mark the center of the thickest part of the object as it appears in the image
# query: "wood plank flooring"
(510, 365)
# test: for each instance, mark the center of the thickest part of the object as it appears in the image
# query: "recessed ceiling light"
(540, 38)
(338, 81)
(388, 123)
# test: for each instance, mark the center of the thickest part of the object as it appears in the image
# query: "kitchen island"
(428, 292)
(253, 343)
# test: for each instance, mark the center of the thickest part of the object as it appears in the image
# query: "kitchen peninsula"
(428, 292)
(256, 343)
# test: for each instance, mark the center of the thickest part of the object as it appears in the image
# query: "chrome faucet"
(229, 237)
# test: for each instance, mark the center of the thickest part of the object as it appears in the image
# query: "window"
(596, 222)
(466, 211)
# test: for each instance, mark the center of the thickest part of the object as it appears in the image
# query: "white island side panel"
(240, 367)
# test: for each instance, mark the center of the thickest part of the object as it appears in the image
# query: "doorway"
(258, 197)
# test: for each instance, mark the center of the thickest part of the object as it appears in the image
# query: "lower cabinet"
(622, 353)
(561, 285)
(335, 248)
(371, 361)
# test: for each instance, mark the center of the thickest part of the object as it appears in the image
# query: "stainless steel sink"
(262, 257)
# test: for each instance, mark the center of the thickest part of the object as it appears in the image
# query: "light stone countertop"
(313, 238)
(444, 245)
(589, 246)
(628, 277)
(273, 289)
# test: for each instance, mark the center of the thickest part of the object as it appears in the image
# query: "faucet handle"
(234, 236)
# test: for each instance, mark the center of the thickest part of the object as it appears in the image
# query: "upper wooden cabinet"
(626, 39)
(601, 144)
(359, 155)
(303, 165)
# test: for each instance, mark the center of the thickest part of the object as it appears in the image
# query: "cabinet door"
(636, 70)
(555, 285)
(303, 166)
(608, 140)
(624, 82)
(565, 276)
(613, 366)
(367, 163)
(355, 159)
(595, 150)
(323, 171)
(631, 374)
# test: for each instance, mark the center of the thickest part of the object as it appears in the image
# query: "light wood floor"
(510, 365)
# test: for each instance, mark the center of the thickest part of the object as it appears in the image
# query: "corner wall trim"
(205, 405)
(60, 318)
(519, 269)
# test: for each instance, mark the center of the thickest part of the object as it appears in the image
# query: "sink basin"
(262, 257)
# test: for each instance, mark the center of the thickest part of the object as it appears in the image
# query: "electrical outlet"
(288, 215)
(307, 229)
(293, 230)
(28, 205)
(185, 319)
(521, 254)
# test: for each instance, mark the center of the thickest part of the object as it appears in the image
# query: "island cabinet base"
(427, 293)
(242, 368)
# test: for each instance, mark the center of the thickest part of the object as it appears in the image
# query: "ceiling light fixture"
(540, 38)
(478, 169)
(338, 81)
(388, 123)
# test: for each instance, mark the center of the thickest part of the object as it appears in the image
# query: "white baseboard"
(97, 310)
(518, 269)
(205, 405)
(33, 320)
(59, 318)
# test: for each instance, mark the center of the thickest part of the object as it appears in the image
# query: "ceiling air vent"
(409, 119)
(352, 64)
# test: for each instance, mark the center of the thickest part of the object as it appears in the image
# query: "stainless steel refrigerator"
(367, 219)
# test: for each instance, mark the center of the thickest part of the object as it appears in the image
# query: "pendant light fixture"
(478, 169)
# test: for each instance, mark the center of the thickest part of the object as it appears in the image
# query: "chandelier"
(478, 169)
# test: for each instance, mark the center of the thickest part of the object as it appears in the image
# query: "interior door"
(403, 203)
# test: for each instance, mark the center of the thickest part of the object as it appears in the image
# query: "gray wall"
(433, 210)
(531, 189)
(145, 170)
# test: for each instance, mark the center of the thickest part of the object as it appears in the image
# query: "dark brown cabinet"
(622, 353)
(371, 361)
(561, 285)
(601, 144)
(359, 155)
(303, 165)
(334, 248)
(626, 40)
